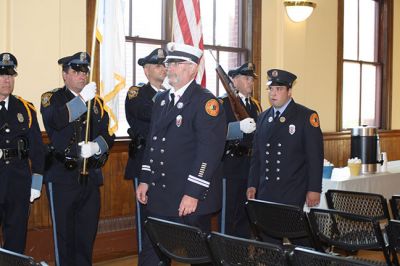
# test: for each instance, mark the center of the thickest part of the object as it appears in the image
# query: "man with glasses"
(138, 109)
(181, 173)
(288, 154)
(20, 142)
(238, 151)
(74, 197)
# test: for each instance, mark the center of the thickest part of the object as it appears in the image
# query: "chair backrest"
(277, 220)
(307, 257)
(179, 242)
(230, 250)
(393, 232)
(395, 206)
(350, 232)
(361, 203)
(9, 258)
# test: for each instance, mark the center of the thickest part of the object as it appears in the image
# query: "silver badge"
(162, 102)
(292, 129)
(282, 119)
(178, 120)
(20, 117)
(82, 57)
(179, 105)
(270, 119)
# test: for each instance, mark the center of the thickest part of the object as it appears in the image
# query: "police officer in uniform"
(20, 142)
(181, 177)
(138, 108)
(237, 155)
(287, 161)
(75, 205)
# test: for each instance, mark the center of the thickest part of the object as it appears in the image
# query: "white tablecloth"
(386, 184)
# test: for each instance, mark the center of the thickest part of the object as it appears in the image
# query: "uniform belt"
(6, 154)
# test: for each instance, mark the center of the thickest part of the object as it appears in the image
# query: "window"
(364, 69)
(227, 32)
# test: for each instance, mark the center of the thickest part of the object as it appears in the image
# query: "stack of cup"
(328, 168)
(354, 165)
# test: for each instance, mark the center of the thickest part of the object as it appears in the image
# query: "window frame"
(385, 58)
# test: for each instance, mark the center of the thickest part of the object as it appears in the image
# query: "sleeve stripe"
(199, 181)
(146, 168)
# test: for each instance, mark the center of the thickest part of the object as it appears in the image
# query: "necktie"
(277, 113)
(248, 106)
(3, 111)
(171, 102)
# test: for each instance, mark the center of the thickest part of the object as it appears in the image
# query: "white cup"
(383, 167)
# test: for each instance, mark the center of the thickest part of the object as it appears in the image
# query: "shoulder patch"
(46, 98)
(133, 92)
(314, 120)
(212, 107)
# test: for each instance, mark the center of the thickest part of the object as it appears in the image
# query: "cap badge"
(6, 59)
(162, 103)
(212, 107)
(270, 119)
(178, 120)
(250, 66)
(282, 119)
(20, 118)
(292, 129)
(274, 73)
(160, 53)
(82, 57)
(172, 48)
(179, 105)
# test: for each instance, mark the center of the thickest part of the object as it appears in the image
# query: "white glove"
(248, 125)
(89, 91)
(89, 149)
(34, 194)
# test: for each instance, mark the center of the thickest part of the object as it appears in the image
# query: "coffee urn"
(365, 145)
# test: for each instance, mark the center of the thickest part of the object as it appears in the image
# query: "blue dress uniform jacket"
(184, 151)
(138, 109)
(15, 173)
(287, 155)
(59, 120)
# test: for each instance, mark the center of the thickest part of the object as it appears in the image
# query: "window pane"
(350, 29)
(227, 25)
(207, 21)
(211, 74)
(125, 6)
(228, 61)
(146, 18)
(368, 30)
(351, 95)
(368, 96)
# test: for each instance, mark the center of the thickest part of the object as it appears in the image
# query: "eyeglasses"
(175, 64)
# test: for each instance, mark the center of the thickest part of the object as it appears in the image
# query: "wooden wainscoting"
(117, 232)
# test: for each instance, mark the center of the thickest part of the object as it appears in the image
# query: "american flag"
(187, 29)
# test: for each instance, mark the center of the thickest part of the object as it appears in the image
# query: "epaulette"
(28, 106)
(133, 92)
(257, 103)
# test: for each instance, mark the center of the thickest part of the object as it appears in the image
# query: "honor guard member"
(236, 161)
(20, 142)
(287, 161)
(74, 206)
(138, 108)
(181, 177)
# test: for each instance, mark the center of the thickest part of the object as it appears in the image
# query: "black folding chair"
(394, 239)
(178, 242)
(9, 258)
(307, 257)
(348, 232)
(361, 203)
(395, 206)
(285, 222)
(229, 250)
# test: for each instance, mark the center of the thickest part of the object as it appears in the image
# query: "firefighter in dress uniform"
(75, 201)
(236, 160)
(20, 142)
(138, 109)
(181, 172)
(288, 154)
